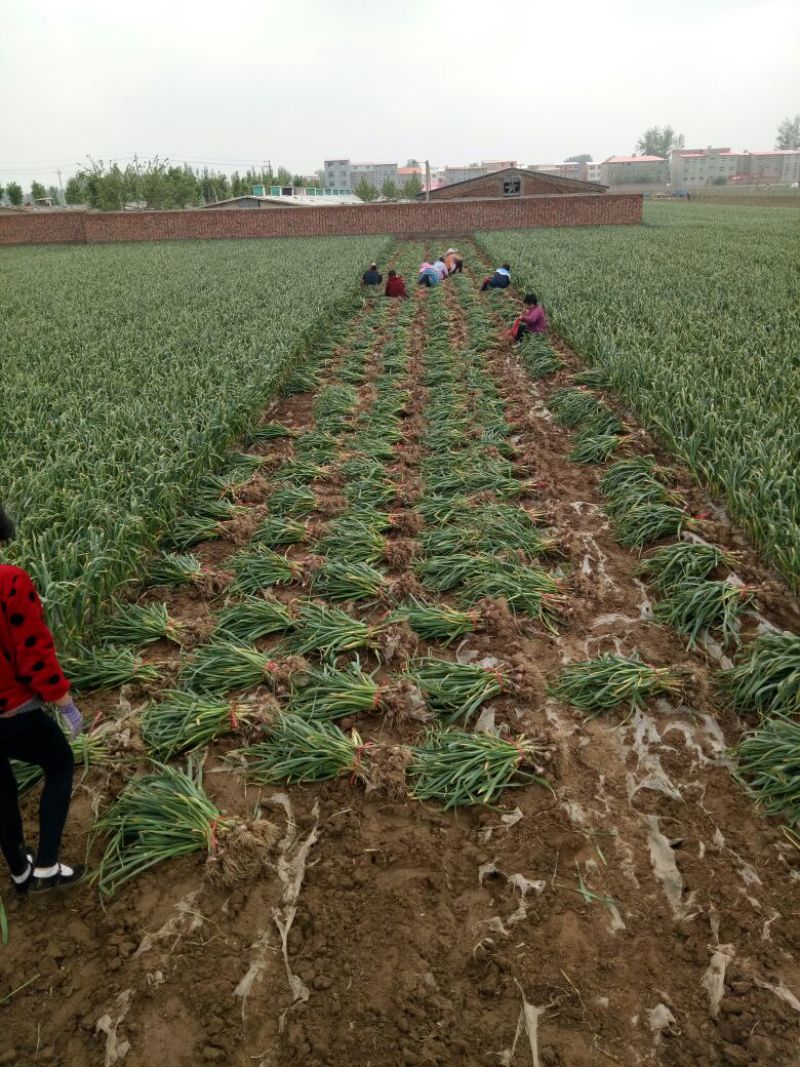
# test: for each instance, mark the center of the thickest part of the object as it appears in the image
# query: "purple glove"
(73, 718)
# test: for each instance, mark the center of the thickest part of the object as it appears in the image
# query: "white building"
(692, 167)
(344, 174)
(559, 170)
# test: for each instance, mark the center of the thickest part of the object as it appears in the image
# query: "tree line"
(156, 184)
(160, 185)
(390, 190)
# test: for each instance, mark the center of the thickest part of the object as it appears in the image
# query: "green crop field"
(126, 372)
(437, 592)
(695, 318)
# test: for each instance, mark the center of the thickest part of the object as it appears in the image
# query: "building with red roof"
(634, 170)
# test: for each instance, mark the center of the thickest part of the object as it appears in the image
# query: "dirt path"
(638, 912)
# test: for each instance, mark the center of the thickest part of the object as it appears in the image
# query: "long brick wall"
(442, 217)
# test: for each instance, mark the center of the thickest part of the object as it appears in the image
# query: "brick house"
(513, 182)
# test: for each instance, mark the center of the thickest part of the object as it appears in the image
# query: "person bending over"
(372, 276)
(501, 279)
(454, 261)
(30, 678)
(441, 268)
(395, 286)
(532, 320)
(428, 275)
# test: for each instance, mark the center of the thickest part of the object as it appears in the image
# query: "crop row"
(127, 372)
(694, 323)
(697, 591)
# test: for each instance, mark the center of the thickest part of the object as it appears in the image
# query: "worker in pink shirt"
(532, 320)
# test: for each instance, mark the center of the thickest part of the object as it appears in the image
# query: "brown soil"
(637, 911)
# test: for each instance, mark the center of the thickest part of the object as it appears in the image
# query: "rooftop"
(766, 152)
(700, 153)
(635, 159)
(292, 201)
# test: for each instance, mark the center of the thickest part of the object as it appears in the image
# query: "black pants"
(34, 737)
(489, 284)
(522, 333)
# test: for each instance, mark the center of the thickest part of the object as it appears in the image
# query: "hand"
(72, 717)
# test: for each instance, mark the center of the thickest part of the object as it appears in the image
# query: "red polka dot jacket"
(28, 664)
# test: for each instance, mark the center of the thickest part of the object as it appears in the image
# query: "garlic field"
(439, 716)
(694, 320)
(127, 371)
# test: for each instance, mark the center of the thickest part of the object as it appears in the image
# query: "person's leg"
(42, 742)
(11, 835)
(522, 332)
(485, 284)
(459, 266)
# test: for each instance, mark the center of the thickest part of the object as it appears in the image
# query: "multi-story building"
(375, 174)
(590, 172)
(634, 170)
(451, 175)
(559, 170)
(344, 174)
(692, 167)
(337, 174)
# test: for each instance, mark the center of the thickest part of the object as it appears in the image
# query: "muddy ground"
(640, 911)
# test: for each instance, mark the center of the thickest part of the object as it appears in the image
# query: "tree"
(412, 163)
(2, 190)
(389, 189)
(37, 191)
(789, 133)
(14, 193)
(283, 177)
(239, 185)
(412, 188)
(75, 192)
(584, 157)
(54, 193)
(366, 192)
(166, 188)
(659, 141)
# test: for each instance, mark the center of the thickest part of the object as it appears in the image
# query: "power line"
(32, 164)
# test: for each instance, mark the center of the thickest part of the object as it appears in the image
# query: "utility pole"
(427, 180)
(60, 186)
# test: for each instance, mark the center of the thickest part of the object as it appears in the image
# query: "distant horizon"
(416, 81)
(9, 173)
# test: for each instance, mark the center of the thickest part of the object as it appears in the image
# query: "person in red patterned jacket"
(30, 678)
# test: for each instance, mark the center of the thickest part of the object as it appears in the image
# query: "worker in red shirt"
(30, 677)
(395, 286)
(532, 320)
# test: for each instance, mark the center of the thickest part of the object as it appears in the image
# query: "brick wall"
(463, 216)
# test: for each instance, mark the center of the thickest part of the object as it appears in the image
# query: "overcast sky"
(452, 80)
